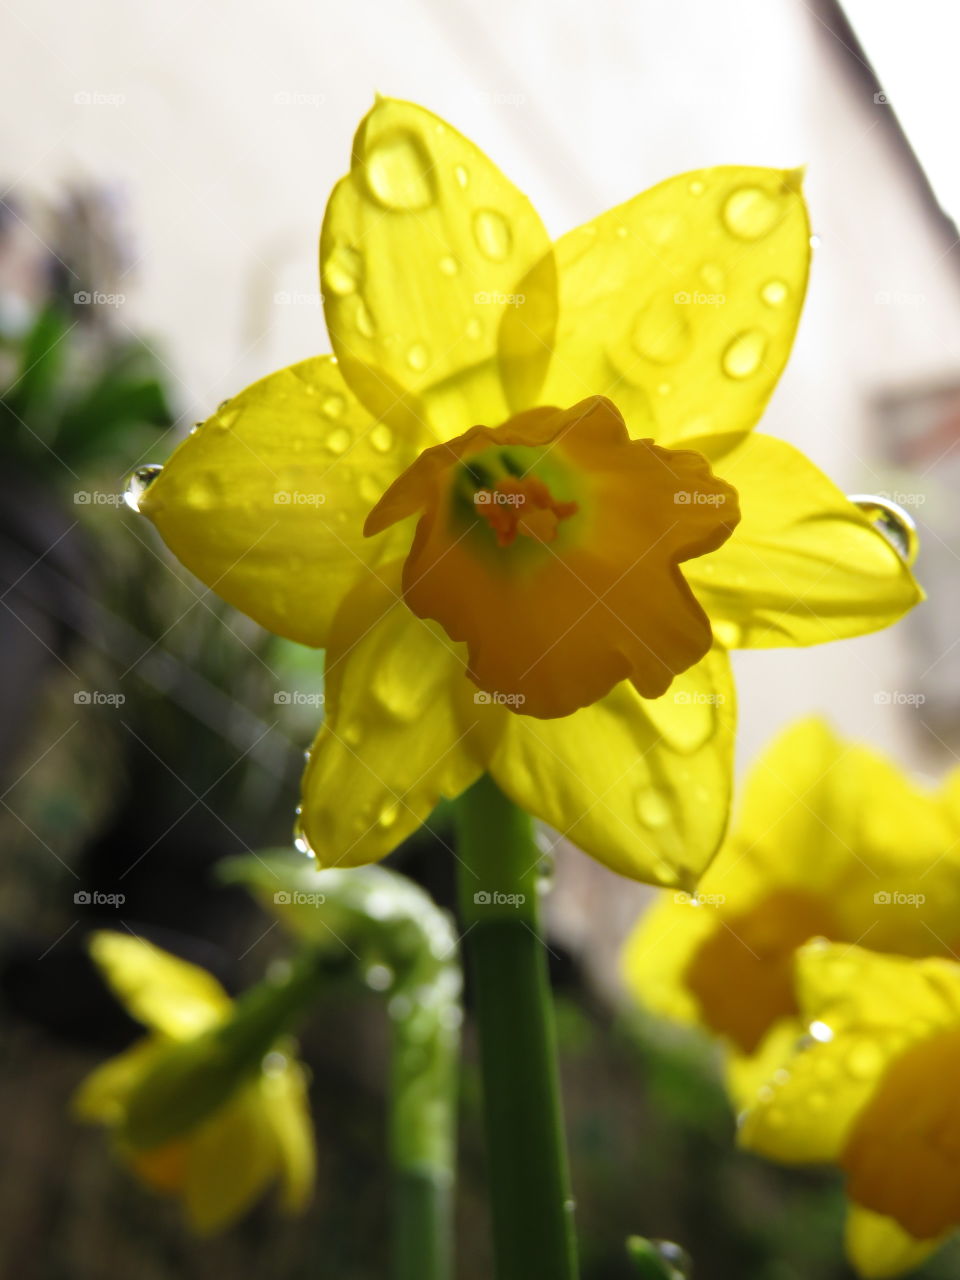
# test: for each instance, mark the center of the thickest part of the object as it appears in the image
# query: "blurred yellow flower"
(873, 1089)
(259, 1133)
(833, 841)
(550, 416)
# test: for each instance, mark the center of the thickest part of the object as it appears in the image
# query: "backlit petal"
(423, 248)
(265, 503)
(158, 989)
(682, 303)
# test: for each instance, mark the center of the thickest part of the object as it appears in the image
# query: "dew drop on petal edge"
(138, 482)
(892, 521)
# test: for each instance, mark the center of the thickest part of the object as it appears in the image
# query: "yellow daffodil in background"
(480, 505)
(832, 841)
(874, 1091)
(260, 1133)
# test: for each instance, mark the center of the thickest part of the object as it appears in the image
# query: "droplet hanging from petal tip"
(138, 482)
(890, 519)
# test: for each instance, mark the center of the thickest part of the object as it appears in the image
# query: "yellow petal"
(643, 786)
(659, 950)
(878, 1247)
(103, 1094)
(265, 503)
(681, 304)
(158, 989)
(804, 565)
(423, 249)
(231, 1159)
(864, 1009)
(747, 1074)
(391, 746)
(288, 1113)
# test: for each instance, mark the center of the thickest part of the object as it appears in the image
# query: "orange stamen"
(524, 506)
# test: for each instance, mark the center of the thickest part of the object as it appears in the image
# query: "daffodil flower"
(480, 505)
(259, 1134)
(873, 1090)
(832, 841)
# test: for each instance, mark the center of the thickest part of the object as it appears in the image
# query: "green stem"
(526, 1153)
(425, 1017)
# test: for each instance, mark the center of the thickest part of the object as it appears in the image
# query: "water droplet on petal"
(461, 175)
(388, 816)
(334, 406)
(696, 187)
(664, 389)
(364, 320)
(138, 482)
(661, 332)
(342, 270)
(370, 491)
(712, 275)
(622, 232)
(474, 329)
(400, 172)
(381, 438)
(652, 810)
(352, 733)
(893, 522)
(750, 213)
(744, 355)
(449, 266)
(338, 441)
(774, 293)
(300, 841)
(418, 357)
(815, 241)
(492, 234)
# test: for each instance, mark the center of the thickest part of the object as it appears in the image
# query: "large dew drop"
(492, 234)
(892, 521)
(750, 213)
(138, 482)
(399, 171)
(744, 355)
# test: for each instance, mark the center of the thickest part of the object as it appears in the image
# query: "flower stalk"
(526, 1150)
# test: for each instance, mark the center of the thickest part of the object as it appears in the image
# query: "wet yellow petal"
(747, 1074)
(265, 503)
(158, 989)
(423, 248)
(864, 1009)
(643, 786)
(878, 1247)
(682, 303)
(391, 746)
(231, 1159)
(804, 565)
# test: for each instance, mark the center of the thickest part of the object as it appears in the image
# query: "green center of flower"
(509, 497)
